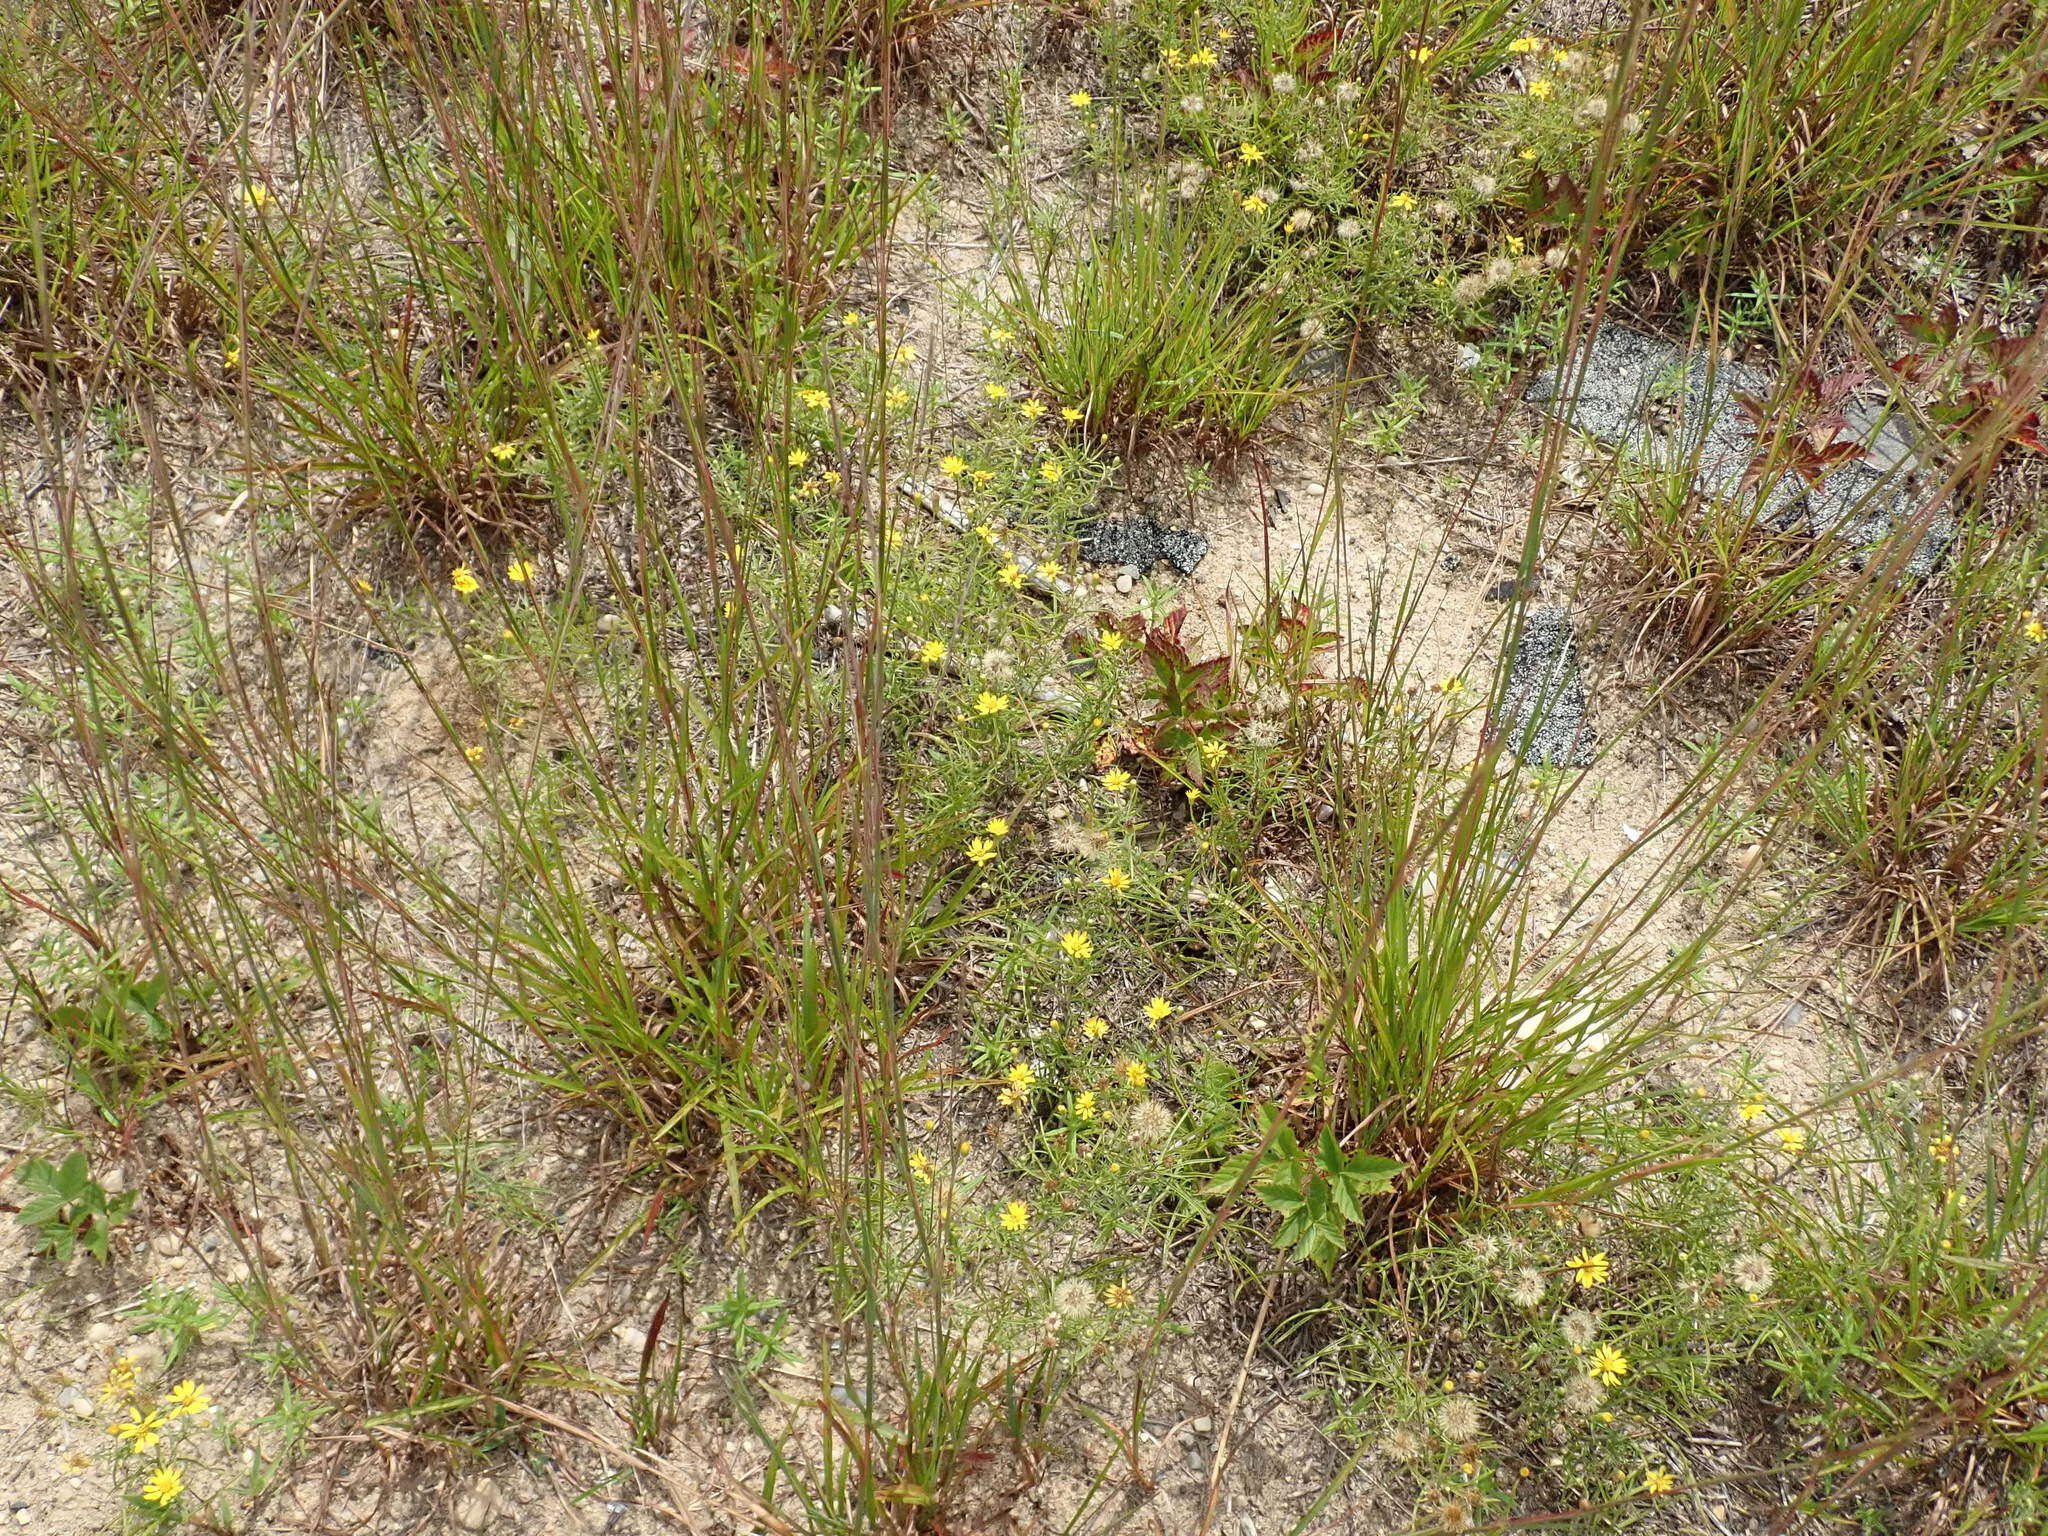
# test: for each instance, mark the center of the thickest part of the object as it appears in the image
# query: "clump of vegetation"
(807, 723)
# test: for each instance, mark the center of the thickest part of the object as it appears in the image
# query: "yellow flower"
(504, 452)
(1117, 880)
(1001, 334)
(1215, 751)
(1250, 154)
(1095, 1026)
(991, 703)
(255, 194)
(980, 850)
(1116, 1297)
(1079, 99)
(920, 1167)
(1450, 686)
(1526, 154)
(1753, 1111)
(898, 397)
(1422, 55)
(463, 579)
(1589, 1268)
(1792, 1138)
(1011, 576)
(1403, 200)
(798, 458)
(1542, 90)
(1607, 1365)
(163, 1486)
(1657, 1480)
(143, 1430)
(519, 570)
(1077, 944)
(1110, 640)
(1011, 1098)
(593, 335)
(1531, 44)
(995, 391)
(997, 827)
(1084, 1107)
(1031, 410)
(816, 399)
(982, 476)
(1172, 58)
(1942, 1149)
(1016, 1216)
(1021, 1076)
(1116, 781)
(932, 652)
(1050, 472)
(187, 1398)
(1159, 1010)
(853, 317)
(1048, 569)
(1069, 414)
(1135, 1073)
(474, 754)
(2036, 631)
(952, 464)
(230, 355)
(906, 352)
(1202, 58)
(1253, 203)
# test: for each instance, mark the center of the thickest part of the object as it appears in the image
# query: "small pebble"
(1124, 583)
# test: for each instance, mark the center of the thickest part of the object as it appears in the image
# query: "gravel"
(1544, 706)
(1142, 542)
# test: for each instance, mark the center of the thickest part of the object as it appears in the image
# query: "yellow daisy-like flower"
(1016, 1216)
(1421, 55)
(1402, 200)
(1590, 1268)
(1116, 1297)
(141, 1432)
(1084, 1106)
(1049, 569)
(1095, 1026)
(1215, 751)
(1202, 58)
(519, 570)
(996, 391)
(1051, 471)
(1172, 58)
(1110, 640)
(1000, 334)
(1116, 781)
(1530, 44)
(1135, 1073)
(906, 352)
(1011, 1098)
(980, 850)
(1250, 153)
(932, 652)
(1542, 90)
(1753, 1111)
(997, 827)
(230, 356)
(2036, 631)
(1118, 880)
(1077, 944)
(898, 397)
(1451, 686)
(463, 579)
(163, 1486)
(853, 317)
(798, 458)
(1079, 99)
(1031, 410)
(474, 754)
(953, 465)
(816, 399)
(1526, 154)
(1011, 576)
(1021, 1077)
(1942, 1149)
(255, 194)
(504, 452)
(188, 1398)
(1253, 203)
(1159, 1010)
(982, 476)
(1792, 1138)
(1657, 1480)
(920, 1168)
(593, 335)
(991, 703)
(1607, 1365)
(1069, 414)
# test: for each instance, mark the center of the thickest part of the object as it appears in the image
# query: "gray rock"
(1608, 393)
(1544, 705)
(1141, 542)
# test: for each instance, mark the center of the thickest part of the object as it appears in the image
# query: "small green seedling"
(1316, 1194)
(68, 1208)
